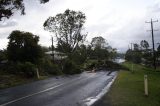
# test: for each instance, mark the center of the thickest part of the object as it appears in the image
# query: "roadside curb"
(104, 91)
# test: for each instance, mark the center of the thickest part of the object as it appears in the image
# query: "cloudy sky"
(120, 22)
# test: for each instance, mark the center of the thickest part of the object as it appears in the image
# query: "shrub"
(100, 65)
(71, 68)
(93, 63)
(50, 68)
(113, 65)
(26, 69)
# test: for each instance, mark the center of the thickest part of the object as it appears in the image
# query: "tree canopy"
(67, 28)
(101, 49)
(136, 47)
(144, 44)
(9, 7)
(23, 46)
(99, 42)
(140, 53)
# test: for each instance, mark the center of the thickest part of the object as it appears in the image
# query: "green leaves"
(67, 28)
(23, 46)
(9, 7)
(144, 44)
(98, 42)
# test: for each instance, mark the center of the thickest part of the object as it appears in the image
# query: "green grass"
(128, 88)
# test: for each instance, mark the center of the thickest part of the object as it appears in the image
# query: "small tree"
(144, 44)
(146, 53)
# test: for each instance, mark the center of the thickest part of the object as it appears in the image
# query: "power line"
(152, 31)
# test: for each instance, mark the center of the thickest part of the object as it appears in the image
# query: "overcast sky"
(120, 22)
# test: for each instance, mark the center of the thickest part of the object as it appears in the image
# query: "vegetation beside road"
(24, 57)
(128, 88)
(10, 80)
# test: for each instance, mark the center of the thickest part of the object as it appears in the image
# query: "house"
(57, 55)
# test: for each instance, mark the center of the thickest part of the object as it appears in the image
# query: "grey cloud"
(100, 28)
(8, 24)
(119, 38)
(4, 35)
(155, 7)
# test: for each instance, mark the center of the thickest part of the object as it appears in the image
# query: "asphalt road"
(62, 91)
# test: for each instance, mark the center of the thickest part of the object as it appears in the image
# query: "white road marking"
(51, 88)
(30, 95)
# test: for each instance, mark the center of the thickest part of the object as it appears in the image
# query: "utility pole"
(154, 54)
(128, 47)
(132, 56)
(52, 49)
(131, 46)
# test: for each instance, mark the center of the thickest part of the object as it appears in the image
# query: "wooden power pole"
(52, 49)
(132, 44)
(152, 30)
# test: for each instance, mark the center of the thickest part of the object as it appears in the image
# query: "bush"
(94, 64)
(11, 67)
(26, 69)
(50, 68)
(113, 65)
(100, 65)
(90, 64)
(71, 68)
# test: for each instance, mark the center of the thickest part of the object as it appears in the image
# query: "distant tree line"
(141, 53)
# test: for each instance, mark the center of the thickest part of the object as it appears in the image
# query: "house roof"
(54, 52)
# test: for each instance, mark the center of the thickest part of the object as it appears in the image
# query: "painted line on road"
(30, 95)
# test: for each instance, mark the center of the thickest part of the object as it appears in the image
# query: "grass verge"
(128, 88)
(9, 80)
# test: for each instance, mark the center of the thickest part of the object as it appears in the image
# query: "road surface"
(61, 91)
